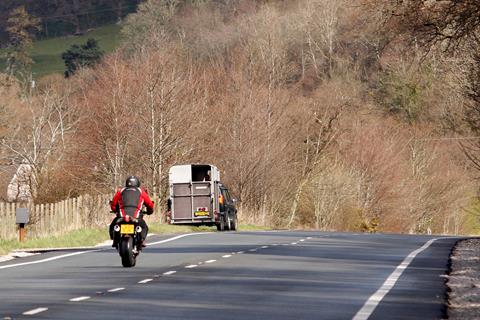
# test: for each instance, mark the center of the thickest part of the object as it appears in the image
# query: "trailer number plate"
(202, 213)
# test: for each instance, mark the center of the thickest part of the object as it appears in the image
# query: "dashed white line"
(145, 281)
(302, 240)
(308, 238)
(191, 266)
(227, 256)
(366, 311)
(116, 289)
(34, 311)
(240, 252)
(77, 299)
(210, 261)
(252, 250)
(293, 243)
(169, 273)
(264, 247)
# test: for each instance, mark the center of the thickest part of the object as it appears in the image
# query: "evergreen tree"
(79, 56)
(21, 27)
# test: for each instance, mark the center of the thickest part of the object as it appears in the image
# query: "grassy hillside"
(46, 54)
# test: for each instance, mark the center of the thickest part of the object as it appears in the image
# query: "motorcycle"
(127, 236)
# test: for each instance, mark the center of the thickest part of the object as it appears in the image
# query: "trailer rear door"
(192, 202)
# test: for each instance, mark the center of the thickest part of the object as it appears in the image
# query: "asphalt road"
(235, 275)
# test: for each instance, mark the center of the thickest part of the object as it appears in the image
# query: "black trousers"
(141, 223)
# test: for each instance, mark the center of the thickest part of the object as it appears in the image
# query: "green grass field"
(46, 54)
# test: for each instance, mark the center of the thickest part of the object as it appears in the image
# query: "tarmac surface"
(236, 275)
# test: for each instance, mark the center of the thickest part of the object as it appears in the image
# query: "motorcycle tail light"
(116, 228)
(138, 229)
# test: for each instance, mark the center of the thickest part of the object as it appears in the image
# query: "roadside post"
(22, 218)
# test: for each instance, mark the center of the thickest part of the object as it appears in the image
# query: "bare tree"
(41, 138)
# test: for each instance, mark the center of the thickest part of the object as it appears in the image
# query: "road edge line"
(371, 304)
(95, 250)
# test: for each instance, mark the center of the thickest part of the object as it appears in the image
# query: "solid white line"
(366, 311)
(34, 311)
(96, 250)
(169, 273)
(179, 237)
(210, 261)
(116, 289)
(79, 298)
(191, 266)
(48, 259)
(227, 256)
(145, 281)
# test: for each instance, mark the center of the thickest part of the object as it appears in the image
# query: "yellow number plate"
(202, 213)
(126, 228)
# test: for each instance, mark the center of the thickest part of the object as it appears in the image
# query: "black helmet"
(132, 182)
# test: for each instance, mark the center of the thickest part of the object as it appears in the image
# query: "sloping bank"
(464, 281)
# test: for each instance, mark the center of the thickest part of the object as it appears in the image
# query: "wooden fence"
(62, 217)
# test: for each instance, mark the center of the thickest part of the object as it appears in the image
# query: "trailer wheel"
(221, 224)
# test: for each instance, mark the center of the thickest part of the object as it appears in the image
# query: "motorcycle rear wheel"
(126, 252)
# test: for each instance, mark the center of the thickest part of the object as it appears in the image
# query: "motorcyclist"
(129, 201)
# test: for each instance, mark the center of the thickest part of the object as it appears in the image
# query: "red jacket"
(129, 201)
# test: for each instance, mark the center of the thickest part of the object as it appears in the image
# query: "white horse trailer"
(198, 197)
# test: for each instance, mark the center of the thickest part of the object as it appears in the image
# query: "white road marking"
(191, 266)
(169, 273)
(79, 298)
(302, 240)
(210, 261)
(366, 311)
(308, 238)
(252, 250)
(49, 259)
(145, 281)
(293, 243)
(227, 256)
(264, 247)
(34, 311)
(240, 252)
(179, 237)
(116, 289)
(96, 250)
